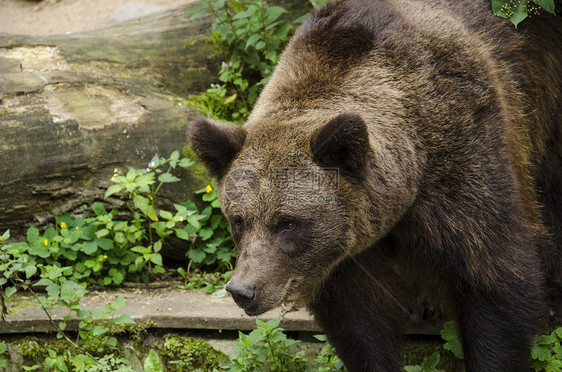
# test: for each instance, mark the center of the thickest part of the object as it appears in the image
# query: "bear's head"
(299, 198)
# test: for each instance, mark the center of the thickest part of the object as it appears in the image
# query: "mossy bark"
(75, 107)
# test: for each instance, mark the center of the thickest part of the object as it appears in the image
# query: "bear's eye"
(288, 226)
(237, 225)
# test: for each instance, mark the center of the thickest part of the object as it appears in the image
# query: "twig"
(58, 329)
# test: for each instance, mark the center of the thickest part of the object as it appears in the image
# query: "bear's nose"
(242, 293)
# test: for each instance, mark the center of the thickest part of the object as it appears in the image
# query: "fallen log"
(75, 107)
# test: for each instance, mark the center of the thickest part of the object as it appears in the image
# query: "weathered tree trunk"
(75, 107)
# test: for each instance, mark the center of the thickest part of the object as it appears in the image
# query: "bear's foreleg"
(359, 309)
(497, 326)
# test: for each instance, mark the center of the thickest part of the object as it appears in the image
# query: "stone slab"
(168, 308)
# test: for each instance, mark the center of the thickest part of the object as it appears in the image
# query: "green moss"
(16, 303)
(30, 349)
(135, 332)
(192, 353)
(4, 111)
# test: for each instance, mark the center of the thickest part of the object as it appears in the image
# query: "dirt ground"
(49, 17)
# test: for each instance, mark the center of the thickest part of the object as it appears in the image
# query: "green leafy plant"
(518, 10)
(3, 348)
(212, 283)
(63, 291)
(152, 362)
(450, 333)
(250, 35)
(266, 348)
(546, 352)
(328, 360)
(115, 246)
(107, 363)
(429, 365)
(107, 249)
(210, 240)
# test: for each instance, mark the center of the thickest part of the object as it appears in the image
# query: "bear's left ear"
(216, 144)
(342, 143)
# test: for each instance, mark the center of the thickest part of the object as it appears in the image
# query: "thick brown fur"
(444, 125)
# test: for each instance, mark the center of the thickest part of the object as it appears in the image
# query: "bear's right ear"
(215, 144)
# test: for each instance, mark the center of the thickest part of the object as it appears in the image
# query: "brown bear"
(401, 143)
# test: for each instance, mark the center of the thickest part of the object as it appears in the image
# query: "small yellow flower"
(105, 257)
(209, 188)
(63, 225)
(46, 241)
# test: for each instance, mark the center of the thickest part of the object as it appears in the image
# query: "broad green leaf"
(152, 362)
(205, 234)
(5, 236)
(450, 334)
(154, 162)
(273, 323)
(166, 215)
(256, 336)
(119, 238)
(244, 14)
(112, 341)
(273, 13)
(196, 255)
(430, 363)
(547, 5)
(123, 319)
(89, 247)
(192, 220)
(99, 210)
(104, 243)
(252, 40)
(186, 162)
(282, 31)
(519, 14)
(167, 178)
(140, 249)
(237, 5)
(224, 255)
(9, 291)
(141, 203)
(413, 369)
(545, 339)
(101, 233)
(554, 365)
(71, 290)
(156, 258)
(497, 5)
(117, 276)
(540, 353)
(144, 180)
(30, 270)
(182, 234)
(157, 246)
(32, 235)
(99, 330)
(113, 189)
